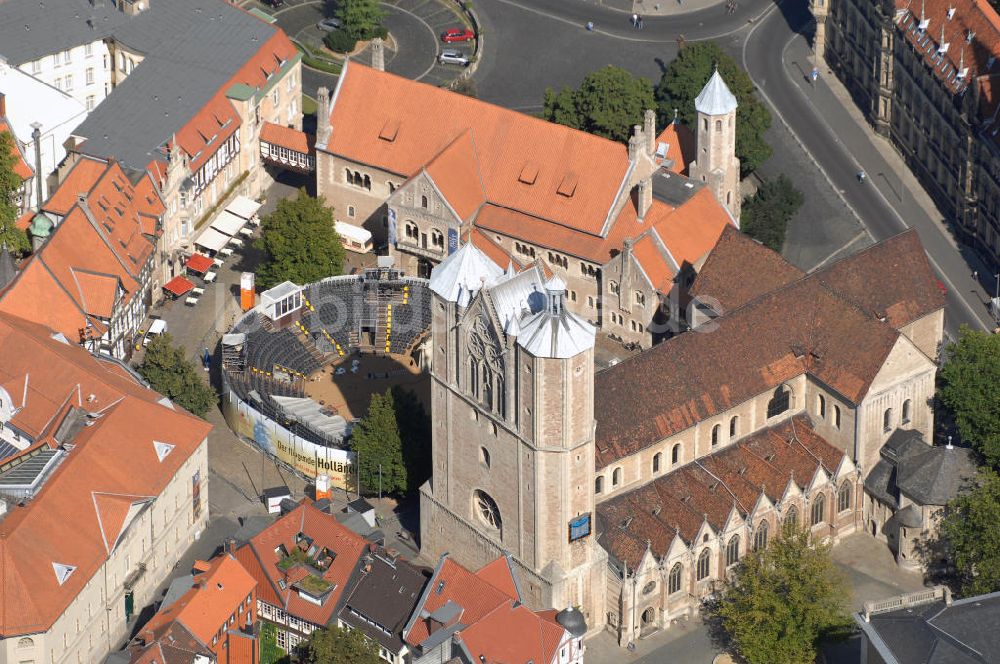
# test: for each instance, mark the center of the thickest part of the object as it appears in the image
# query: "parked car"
(274, 4)
(156, 328)
(453, 57)
(329, 24)
(457, 35)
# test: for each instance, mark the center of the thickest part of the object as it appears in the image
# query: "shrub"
(339, 41)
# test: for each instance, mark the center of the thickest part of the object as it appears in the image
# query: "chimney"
(649, 127)
(645, 197)
(231, 545)
(634, 142)
(378, 54)
(36, 136)
(323, 128)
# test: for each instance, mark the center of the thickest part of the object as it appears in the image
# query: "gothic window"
(906, 411)
(487, 510)
(367, 183)
(357, 179)
(640, 298)
(599, 484)
(844, 496)
(704, 563)
(675, 454)
(715, 435)
(656, 462)
(487, 392)
(423, 202)
(818, 509)
(674, 579)
(734, 426)
(779, 401)
(836, 416)
(437, 238)
(616, 477)
(474, 377)
(411, 230)
(733, 551)
(887, 419)
(760, 536)
(486, 370)
(613, 287)
(792, 516)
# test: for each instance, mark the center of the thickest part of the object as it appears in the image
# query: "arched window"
(675, 453)
(411, 230)
(715, 435)
(368, 183)
(348, 176)
(704, 124)
(484, 456)
(613, 287)
(844, 496)
(437, 238)
(906, 411)
(674, 579)
(760, 536)
(779, 401)
(423, 202)
(487, 510)
(599, 484)
(640, 298)
(821, 406)
(733, 550)
(818, 509)
(25, 642)
(616, 477)
(887, 419)
(704, 564)
(718, 125)
(729, 198)
(357, 179)
(836, 416)
(734, 426)
(487, 393)
(656, 462)
(792, 516)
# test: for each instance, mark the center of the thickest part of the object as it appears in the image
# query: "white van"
(354, 238)
(156, 328)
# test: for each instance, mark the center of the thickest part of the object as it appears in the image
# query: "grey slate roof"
(30, 29)
(385, 594)
(192, 49)
(934, 633)
(881, 483)
(935, 475)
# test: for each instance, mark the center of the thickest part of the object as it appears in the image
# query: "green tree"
(968, 530)
(10, 184)
(299, 242)
(685, 77)
(968, 388)
(766, 214)
(396, 435)
(362, 19)
(783, 600)
(170, 373)
(333, 645)
(608, 103)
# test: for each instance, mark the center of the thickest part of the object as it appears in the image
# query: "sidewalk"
(647, 8)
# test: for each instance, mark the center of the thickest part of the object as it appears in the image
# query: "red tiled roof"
(80, 180)
(455, 171)
(682, 145)
(286, 137)
(115, 455)
(500, 575)
(651, 257)
(678, 503)
(97, 292)
(513, 633)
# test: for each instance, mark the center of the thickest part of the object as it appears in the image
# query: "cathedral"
(632, 492)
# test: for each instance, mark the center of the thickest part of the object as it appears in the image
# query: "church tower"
(716, 161)
(512, 398)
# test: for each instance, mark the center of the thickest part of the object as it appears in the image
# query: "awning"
(212, 240)
(228, 223)
(178, 286)
(243, 207)
(352, 232)
(199, 263)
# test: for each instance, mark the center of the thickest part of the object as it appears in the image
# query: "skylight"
(162, 450)
(63, 572)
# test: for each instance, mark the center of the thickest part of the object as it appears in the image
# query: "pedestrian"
(975, 275)
(641, 23)
(590, 26)
(635, 21)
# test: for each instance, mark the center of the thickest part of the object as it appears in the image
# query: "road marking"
(433, 40)
(941, 273)
(864, 232)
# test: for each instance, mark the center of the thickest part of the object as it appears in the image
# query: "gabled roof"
(384, 591)
(682, 146)
(113, 455)
(455, 172)
(287, 137)
(80, 180)
(513, 633)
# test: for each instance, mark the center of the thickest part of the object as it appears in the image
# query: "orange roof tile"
(500, 575)
(115, 455)
(489, 639)
(493, 251)
(691, 230)
(112, 512)
(287, 137)
(24, 221)
(681, 146)
(650, 254)
(80, 180)
(524, 161)
(97, 292)
(455, 171)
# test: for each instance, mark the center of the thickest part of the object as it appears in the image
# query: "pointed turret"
(715, 98)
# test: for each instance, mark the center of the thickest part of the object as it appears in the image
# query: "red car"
(457, 35)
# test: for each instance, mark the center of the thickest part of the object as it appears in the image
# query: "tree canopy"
(968, 388)
(784, 599)
(361, 19)
(169, 372)
(969, 532)
(766, 214)
(10, 184)
(608, 103)
(334, 645)
(685, 77)
(299, 242)
(394, 434)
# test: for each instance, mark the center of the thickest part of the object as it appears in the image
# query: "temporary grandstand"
(297, 331)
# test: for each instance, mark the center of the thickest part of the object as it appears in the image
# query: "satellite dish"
(6, 406)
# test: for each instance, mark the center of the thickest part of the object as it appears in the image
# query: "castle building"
(632, 492)
(426, 170)
(923, 73)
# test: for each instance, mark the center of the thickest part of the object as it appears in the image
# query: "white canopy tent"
(228, 223)
(212, 240)
(352, 232)
(243, 207)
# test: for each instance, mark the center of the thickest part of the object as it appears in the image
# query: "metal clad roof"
(715, 98)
